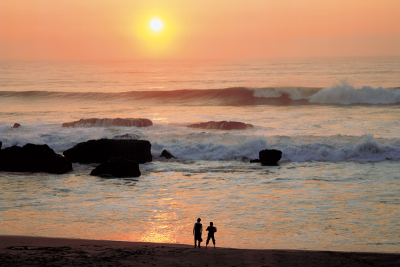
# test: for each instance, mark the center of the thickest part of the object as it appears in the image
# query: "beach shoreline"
(46, 251)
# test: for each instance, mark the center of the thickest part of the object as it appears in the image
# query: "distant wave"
(337, 94)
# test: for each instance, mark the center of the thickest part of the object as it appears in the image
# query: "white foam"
(344, 93)
(339, 93)
(185, 143)
(336, 148)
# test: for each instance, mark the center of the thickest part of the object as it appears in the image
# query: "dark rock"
(33, 158)
(109, 123)
(221, 125)
(255, 160)
(16, 125)
(1, 144)
(270, 157)
(166, 154)
(99, 151)
(118, 168)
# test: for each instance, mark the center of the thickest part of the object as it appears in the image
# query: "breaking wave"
(336, 149)
(338, 94)
(347, 94)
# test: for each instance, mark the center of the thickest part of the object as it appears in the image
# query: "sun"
(156, 24)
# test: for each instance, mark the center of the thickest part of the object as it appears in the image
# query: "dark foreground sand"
(40, 251)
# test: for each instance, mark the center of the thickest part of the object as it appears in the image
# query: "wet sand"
(42, 251)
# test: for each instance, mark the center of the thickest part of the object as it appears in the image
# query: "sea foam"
(344, 93)
(336, 148)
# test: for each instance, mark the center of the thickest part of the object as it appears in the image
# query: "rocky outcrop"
(167, 155)
(1, 144)
(270, 157)
(118, 168)
(127, 136)
(16, 125)
(99, 151)
(33, 158)
(109, 123)
(221, 125)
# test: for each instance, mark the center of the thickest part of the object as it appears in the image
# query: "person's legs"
(194, 241)
(208, 240)
(213, 240)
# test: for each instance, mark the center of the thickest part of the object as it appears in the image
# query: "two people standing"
(198, 230)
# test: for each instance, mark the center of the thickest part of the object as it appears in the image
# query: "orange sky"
(207, 29)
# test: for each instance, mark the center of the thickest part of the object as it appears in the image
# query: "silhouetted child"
(211, 230)
(197, 231)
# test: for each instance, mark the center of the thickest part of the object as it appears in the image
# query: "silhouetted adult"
(211, 230)
(197, 231)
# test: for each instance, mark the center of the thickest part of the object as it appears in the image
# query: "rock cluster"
(33, 158)
(221, 125)
(109, 123)
(119, 158)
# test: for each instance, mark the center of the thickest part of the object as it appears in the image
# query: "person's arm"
(194, 227)
(215, 229)
(201, 229)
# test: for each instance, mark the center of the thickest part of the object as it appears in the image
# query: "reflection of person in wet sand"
(211, 230)
(197, 231)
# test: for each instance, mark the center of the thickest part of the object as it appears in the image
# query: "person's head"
(211, 223)
(198, 219)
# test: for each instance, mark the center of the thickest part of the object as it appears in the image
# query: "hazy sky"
(206, 29)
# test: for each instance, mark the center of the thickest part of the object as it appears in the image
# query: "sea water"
(335, 120)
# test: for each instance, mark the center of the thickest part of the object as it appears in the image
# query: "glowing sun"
(156, 24)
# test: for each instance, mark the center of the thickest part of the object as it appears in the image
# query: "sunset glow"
(197, 30)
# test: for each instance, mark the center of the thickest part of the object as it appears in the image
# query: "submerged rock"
(16, 125)
(255, 161)
(117, 167)
(221, 125)
(270, 157)
(139, 122)
(167, 155)
(99, 151)
(33, 158)
(127, 136)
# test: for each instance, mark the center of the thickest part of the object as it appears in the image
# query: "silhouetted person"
(211, 230)
(197, 231)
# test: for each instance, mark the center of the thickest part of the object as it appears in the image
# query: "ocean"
(336, 120)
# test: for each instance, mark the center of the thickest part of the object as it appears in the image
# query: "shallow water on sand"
(309, 205)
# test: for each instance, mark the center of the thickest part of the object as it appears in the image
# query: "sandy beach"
(43, 251)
